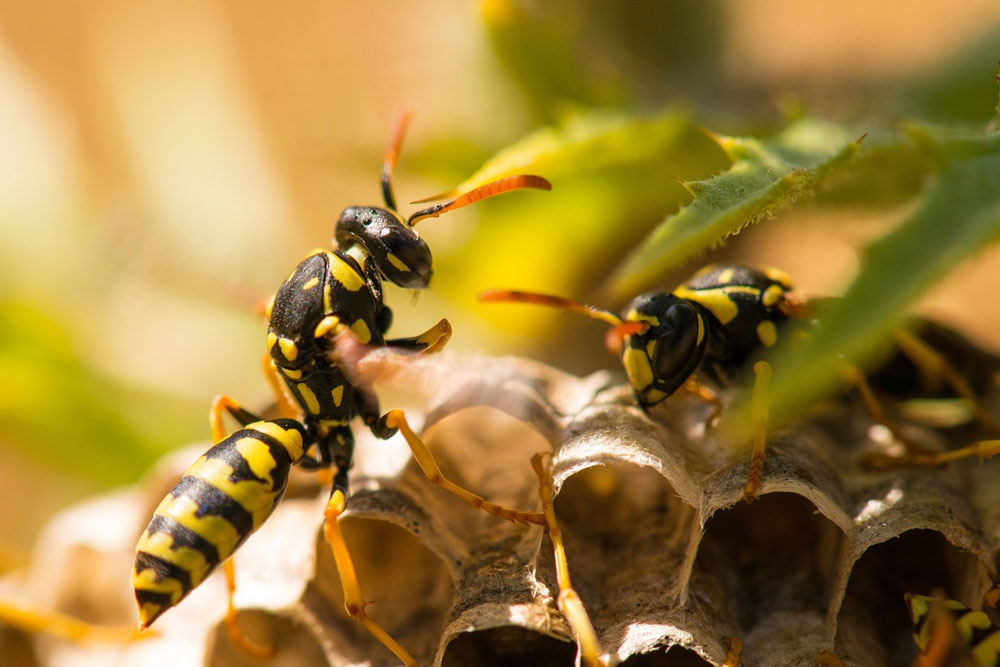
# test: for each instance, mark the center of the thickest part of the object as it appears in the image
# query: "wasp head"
(659, 358)
(394, 246)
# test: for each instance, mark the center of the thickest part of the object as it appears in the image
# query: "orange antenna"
(593, 312)
(615, 337)
(392, 153)
(483, 192)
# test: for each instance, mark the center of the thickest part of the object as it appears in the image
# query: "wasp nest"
(668, 560)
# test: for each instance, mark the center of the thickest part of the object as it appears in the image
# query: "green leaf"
(585, 142)
(958, 216)
(764, 176)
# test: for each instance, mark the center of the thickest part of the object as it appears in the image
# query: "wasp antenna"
(614, 339)
(392, 153)
(483, 192)
(441, 195)
(593, 312)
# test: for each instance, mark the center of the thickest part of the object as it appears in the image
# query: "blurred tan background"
(163, 166)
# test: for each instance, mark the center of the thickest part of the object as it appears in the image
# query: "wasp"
(715, 323)
(233, 488)
(948, 632)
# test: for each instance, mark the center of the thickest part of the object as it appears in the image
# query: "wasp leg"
(287, 407)
(828, 659)
(221, 405)
(354, 600)
(856, 377)
(914, 456)
(939, 638)
(432, 340)
(933, 363)
(569, 602)
(695, 388)
(733, 653)
(236, 635)
(66, 627)
(396, 419)
(759, 411)
(984, 449)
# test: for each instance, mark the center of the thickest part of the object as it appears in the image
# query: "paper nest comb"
(667, 559)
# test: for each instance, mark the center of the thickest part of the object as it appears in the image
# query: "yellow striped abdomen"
(224, 497)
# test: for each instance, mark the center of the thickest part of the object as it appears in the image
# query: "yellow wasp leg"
(932, 363)
(354, 600)
(984, 449)
(569, 602)
(430, 341)
(855, 376)
(236, 635)
(942, 638)
(733, 654)
(424, 458)
(914, 456)
(695, 388)
(759, 410)
(828, 659)
(287, 407)
(67, 627)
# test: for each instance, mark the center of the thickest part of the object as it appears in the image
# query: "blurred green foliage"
(73, 417)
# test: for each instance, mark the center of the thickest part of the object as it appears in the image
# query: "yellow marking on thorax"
(397, 262)
(637, 368)
(309, 284)
(778, 276)
(326, 325)
(717, 300)
(292, 373)
(312, 404)
(726, 275)
(190, 560)
(772, 295)
(215, 529)
(327, 425)
(290, 439)
(272, 338)
(345, 274)
(361, 330)
(767, 333)
(337, 393)
(288, 348)
(256, 498)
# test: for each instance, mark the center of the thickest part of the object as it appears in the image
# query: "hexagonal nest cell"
(668, 560)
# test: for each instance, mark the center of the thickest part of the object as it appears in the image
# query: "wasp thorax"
(397, 251)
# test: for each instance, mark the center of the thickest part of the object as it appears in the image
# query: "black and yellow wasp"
(232, 489)
(715, 323)
(949, 633)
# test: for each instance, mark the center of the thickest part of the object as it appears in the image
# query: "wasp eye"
(676, 350)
